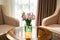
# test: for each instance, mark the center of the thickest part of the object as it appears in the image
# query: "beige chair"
(6, 22)
(53, 22)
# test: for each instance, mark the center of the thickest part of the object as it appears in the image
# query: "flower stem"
(28, 22)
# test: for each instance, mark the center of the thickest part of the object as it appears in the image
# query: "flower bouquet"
(28, 19)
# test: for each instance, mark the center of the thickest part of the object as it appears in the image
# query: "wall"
(58, 3)
(1, 2)
(8, 7)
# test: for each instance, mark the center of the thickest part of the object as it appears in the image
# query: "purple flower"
(29, 16)
(23, 16)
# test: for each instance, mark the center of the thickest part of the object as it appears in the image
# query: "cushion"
(1, 20)
(5, 28)
(54, 28)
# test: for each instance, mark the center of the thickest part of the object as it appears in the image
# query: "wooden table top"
(42, 33)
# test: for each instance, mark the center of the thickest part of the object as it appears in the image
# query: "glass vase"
(28, 26)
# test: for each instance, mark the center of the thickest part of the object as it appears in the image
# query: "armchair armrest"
(51, 19)
(11, 21)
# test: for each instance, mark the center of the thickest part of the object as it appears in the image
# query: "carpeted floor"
(3, 37)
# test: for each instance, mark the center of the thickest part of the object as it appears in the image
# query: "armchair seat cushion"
(55, 28)
(5, 28)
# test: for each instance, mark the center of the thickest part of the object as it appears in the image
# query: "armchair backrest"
(1, 17)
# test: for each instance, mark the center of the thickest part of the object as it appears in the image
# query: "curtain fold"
(45, 9)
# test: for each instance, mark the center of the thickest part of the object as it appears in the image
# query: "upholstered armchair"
(53, 22)
(6, 22)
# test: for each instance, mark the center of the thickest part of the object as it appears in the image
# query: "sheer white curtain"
(26, 6)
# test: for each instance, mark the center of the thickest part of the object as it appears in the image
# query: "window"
(26, 6)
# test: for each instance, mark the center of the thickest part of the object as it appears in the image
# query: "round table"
(42, 33)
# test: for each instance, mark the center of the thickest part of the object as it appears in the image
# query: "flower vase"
(28, 26)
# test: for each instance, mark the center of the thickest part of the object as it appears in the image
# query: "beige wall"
(58, 3)
(7, 7)
(1, 2)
